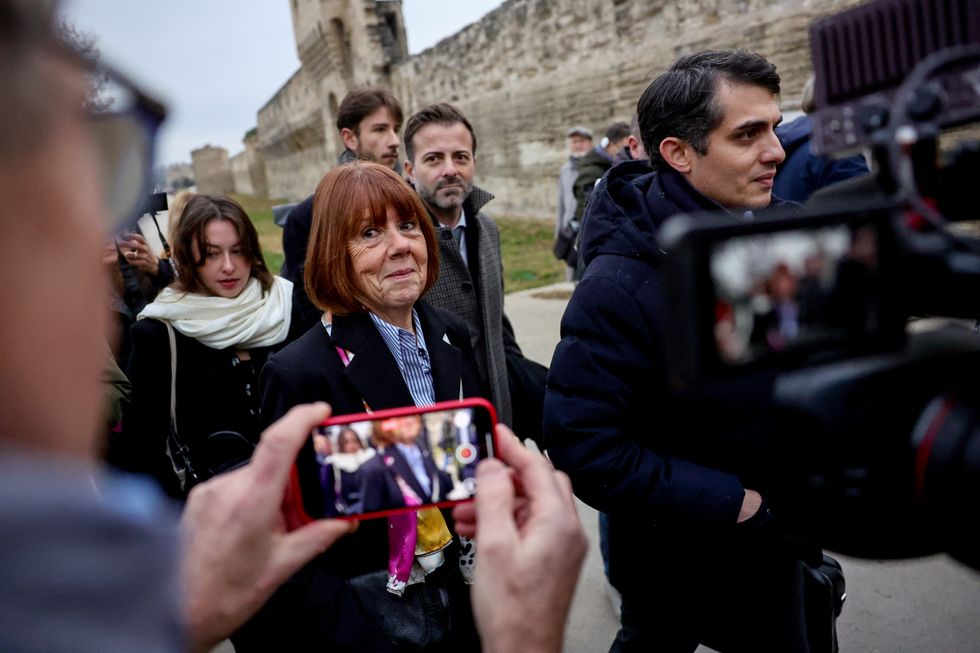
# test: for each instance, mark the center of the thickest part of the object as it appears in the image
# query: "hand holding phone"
(383, 463)
(522, 591)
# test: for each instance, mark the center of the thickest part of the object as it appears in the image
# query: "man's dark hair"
(682, 101)
(358, 105)
(617, 132)
(441, 114)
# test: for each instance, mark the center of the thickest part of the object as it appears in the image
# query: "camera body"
(803, 328)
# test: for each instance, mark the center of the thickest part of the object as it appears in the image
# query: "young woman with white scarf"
(210, 332)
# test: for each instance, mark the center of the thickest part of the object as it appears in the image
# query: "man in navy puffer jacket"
(689, 547)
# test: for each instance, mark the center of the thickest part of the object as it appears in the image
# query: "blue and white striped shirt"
(412, 357)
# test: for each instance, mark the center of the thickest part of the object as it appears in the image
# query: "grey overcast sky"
(215, 62)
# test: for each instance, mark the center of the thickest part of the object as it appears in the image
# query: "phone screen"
(810, 287)
(375, 464)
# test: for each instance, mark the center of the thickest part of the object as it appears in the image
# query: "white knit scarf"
(252, 319)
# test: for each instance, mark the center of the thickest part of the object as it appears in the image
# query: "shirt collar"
(389, 333)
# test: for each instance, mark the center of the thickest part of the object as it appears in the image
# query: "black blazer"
(316, 610)
(311, 369)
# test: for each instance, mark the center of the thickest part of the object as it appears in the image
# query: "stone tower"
(342, 45)
(212, 170)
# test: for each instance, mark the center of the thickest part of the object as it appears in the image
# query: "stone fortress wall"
(212, 170)
(523, 74)
(531, 69)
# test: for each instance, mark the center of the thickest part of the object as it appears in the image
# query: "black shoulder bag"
(221, 451)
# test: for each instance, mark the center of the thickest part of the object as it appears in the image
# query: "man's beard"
(431, 196)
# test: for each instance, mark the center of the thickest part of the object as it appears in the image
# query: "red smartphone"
(376, 464)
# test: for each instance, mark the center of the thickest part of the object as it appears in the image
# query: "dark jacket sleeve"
(605, 398)
(280, 391)
(146, 420)
(379, 490)
(827, 171)
(590, 171)
(295, 239)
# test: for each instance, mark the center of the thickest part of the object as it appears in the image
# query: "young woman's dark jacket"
(215, 392)
(317, 610)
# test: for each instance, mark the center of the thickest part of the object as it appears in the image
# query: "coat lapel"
(372, 371)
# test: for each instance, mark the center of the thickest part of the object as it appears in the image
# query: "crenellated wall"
(523, 74)
(531, 69)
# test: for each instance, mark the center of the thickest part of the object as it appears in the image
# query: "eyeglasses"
(124, 124)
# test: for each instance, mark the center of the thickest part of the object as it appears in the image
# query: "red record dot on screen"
(466, 453)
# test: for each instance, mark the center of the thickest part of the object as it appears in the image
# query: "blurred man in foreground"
(89, 561)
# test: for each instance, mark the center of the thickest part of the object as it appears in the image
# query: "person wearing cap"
(579, 142)
(595, 163)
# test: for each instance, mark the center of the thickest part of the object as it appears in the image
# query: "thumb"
(494, 506)
(302, 545)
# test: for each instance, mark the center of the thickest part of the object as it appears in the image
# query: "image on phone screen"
(396, 460)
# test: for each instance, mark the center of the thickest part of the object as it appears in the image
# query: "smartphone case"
(303, 502)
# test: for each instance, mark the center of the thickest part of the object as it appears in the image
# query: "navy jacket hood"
(630, 203)
(792, 134)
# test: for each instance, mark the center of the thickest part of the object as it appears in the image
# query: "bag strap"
(173, 378)
(177, 451)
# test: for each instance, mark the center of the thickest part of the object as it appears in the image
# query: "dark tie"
(458, 235)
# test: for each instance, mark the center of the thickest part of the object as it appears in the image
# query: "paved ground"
(930, 604)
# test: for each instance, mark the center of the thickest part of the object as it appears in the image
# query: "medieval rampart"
(531, 69)
(523, 74)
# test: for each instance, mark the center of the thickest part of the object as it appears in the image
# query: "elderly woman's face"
(389, 263)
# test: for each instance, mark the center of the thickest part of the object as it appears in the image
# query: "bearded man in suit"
(440, 144)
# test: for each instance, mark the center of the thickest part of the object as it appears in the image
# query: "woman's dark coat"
(215, 392)
(316, 610)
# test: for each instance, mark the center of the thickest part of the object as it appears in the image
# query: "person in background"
(440, 144)
(579, 143)
(633, 151)
(368, 122)
(136, 276)
(349, 441)
(803, 172)
(214, 328)
(595, 163)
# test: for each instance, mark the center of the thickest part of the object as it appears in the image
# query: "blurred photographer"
(89, 560)
(687, 544)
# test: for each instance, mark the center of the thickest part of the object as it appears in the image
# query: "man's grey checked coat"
(476, 294)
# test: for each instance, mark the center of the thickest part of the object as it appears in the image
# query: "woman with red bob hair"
(372, 255)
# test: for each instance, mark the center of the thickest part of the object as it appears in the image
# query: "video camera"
(805, 330)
